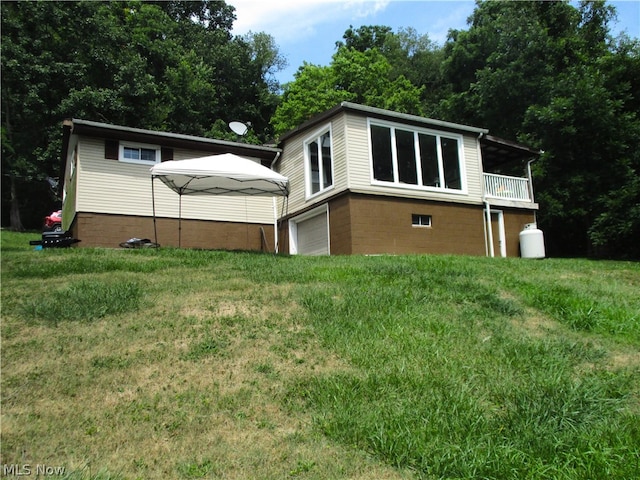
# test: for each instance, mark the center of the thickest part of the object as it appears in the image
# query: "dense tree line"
(544, 73)
(172, 66)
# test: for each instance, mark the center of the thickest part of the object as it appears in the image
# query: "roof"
(168, 139)
(385, 115)
(498, 151)
(495, 151)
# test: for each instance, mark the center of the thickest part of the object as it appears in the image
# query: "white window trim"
(437, 133)
(422, 225)
(315, 136)
(122, 146)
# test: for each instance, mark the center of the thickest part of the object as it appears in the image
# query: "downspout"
(273, 162)
(275, 226)
(535, 214)
(153, 207)
(488, 230)
(489, 238)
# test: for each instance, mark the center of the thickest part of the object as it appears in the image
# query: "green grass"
(176, 363)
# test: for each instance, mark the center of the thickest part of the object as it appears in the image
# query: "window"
(416, 157)
(450, 163)
(319, 162)
(421, 220)
(139, 153)
(382, 155)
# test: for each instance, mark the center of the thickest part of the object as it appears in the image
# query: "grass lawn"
(169, 363)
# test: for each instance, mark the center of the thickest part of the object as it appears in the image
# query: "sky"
(307, 30)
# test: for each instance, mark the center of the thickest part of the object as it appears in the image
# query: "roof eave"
(381, 114)
(87, 127)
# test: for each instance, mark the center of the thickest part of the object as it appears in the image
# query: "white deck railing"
(506, 188)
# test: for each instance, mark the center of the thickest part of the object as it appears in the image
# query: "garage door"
(313, 235)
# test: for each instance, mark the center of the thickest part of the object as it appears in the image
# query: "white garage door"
(313, 235)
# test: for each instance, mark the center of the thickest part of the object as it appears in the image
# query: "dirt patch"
(625, 360)
(535, 325)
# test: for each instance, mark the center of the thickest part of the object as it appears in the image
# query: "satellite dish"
(238, 128)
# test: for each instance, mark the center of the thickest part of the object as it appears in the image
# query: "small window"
(143, 154)
(420, 220)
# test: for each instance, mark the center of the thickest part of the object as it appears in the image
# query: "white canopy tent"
(225, 174)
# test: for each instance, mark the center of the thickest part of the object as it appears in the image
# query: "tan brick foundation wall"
(101, 230)
(369, 224)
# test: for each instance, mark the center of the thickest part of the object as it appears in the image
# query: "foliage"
(361, 77)
(313, 91)
(84, 301)
(410, 54)
(158, 65)
(548, 74)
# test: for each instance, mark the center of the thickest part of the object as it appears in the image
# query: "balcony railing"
(506, 188)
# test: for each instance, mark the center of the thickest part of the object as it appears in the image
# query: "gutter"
(535, 213)
(275, 159)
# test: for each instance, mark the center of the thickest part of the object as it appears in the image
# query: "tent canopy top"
(225, 174)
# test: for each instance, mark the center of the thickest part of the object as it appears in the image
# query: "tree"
(362, 77)
(35, 72)
(548, 74)
(159, 65)
(410, 54)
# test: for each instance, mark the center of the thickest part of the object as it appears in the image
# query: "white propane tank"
(531, 242)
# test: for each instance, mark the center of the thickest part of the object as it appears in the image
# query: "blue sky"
(307, 30)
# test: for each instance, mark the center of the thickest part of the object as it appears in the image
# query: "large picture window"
(405, 156)
(319, 162)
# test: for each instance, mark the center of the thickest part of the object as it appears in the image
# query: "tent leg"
(153, 203)
(275, 226)
(179, 221)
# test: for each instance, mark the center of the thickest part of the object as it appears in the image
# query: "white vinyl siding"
(113, 187)
(292, 166)
(358, 151)
(473, 166)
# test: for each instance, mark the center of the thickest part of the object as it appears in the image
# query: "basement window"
(139, 153)
(420, 220)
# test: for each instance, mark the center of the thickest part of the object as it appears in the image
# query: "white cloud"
(456, 19)
(289, 21)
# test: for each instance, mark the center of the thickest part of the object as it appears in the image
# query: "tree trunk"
(15, 221)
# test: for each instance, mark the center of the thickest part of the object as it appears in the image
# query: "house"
(370, 181)
(362, 180)
(107, 196)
